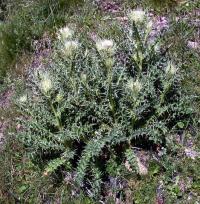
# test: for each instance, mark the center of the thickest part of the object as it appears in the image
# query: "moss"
(145, 192)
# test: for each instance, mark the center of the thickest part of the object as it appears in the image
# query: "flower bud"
(170, 69)
(23, 99)
(59, 97)
(70, 47)
(109, 62)
(46, 84)
(135, 86)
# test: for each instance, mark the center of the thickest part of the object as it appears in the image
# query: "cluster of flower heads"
(106, 48)
(65, 35)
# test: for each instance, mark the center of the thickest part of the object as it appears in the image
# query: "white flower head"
(65, 33)
(135, 86)
(23, 99)
(105, 45)
(70, 47)
(171, 69)
(59, 97)
(46, 84)
(137, 16)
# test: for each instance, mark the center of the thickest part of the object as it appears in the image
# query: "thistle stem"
(58, 119)
(111, 100)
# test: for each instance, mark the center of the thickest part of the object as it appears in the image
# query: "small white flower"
(137, 16)
(65, 33)
(23, 99)
(46, 84)
(105, 45)
(70, 47)
(171, 69)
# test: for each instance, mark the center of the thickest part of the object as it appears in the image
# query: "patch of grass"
(22, 182)
(25, 22)
(145, 191)
(184, 29)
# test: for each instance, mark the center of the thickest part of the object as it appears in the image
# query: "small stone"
(142, 168)
(18, 127)
(191, 153)
(1, 136)
(193, 45)
(128, 166)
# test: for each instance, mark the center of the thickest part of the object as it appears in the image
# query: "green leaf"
(23, 188)
(54, 164)
(181, 125)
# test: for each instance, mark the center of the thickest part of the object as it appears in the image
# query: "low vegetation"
(110, 114)
(25, 22)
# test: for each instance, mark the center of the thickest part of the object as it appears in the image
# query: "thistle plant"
(90, 108)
